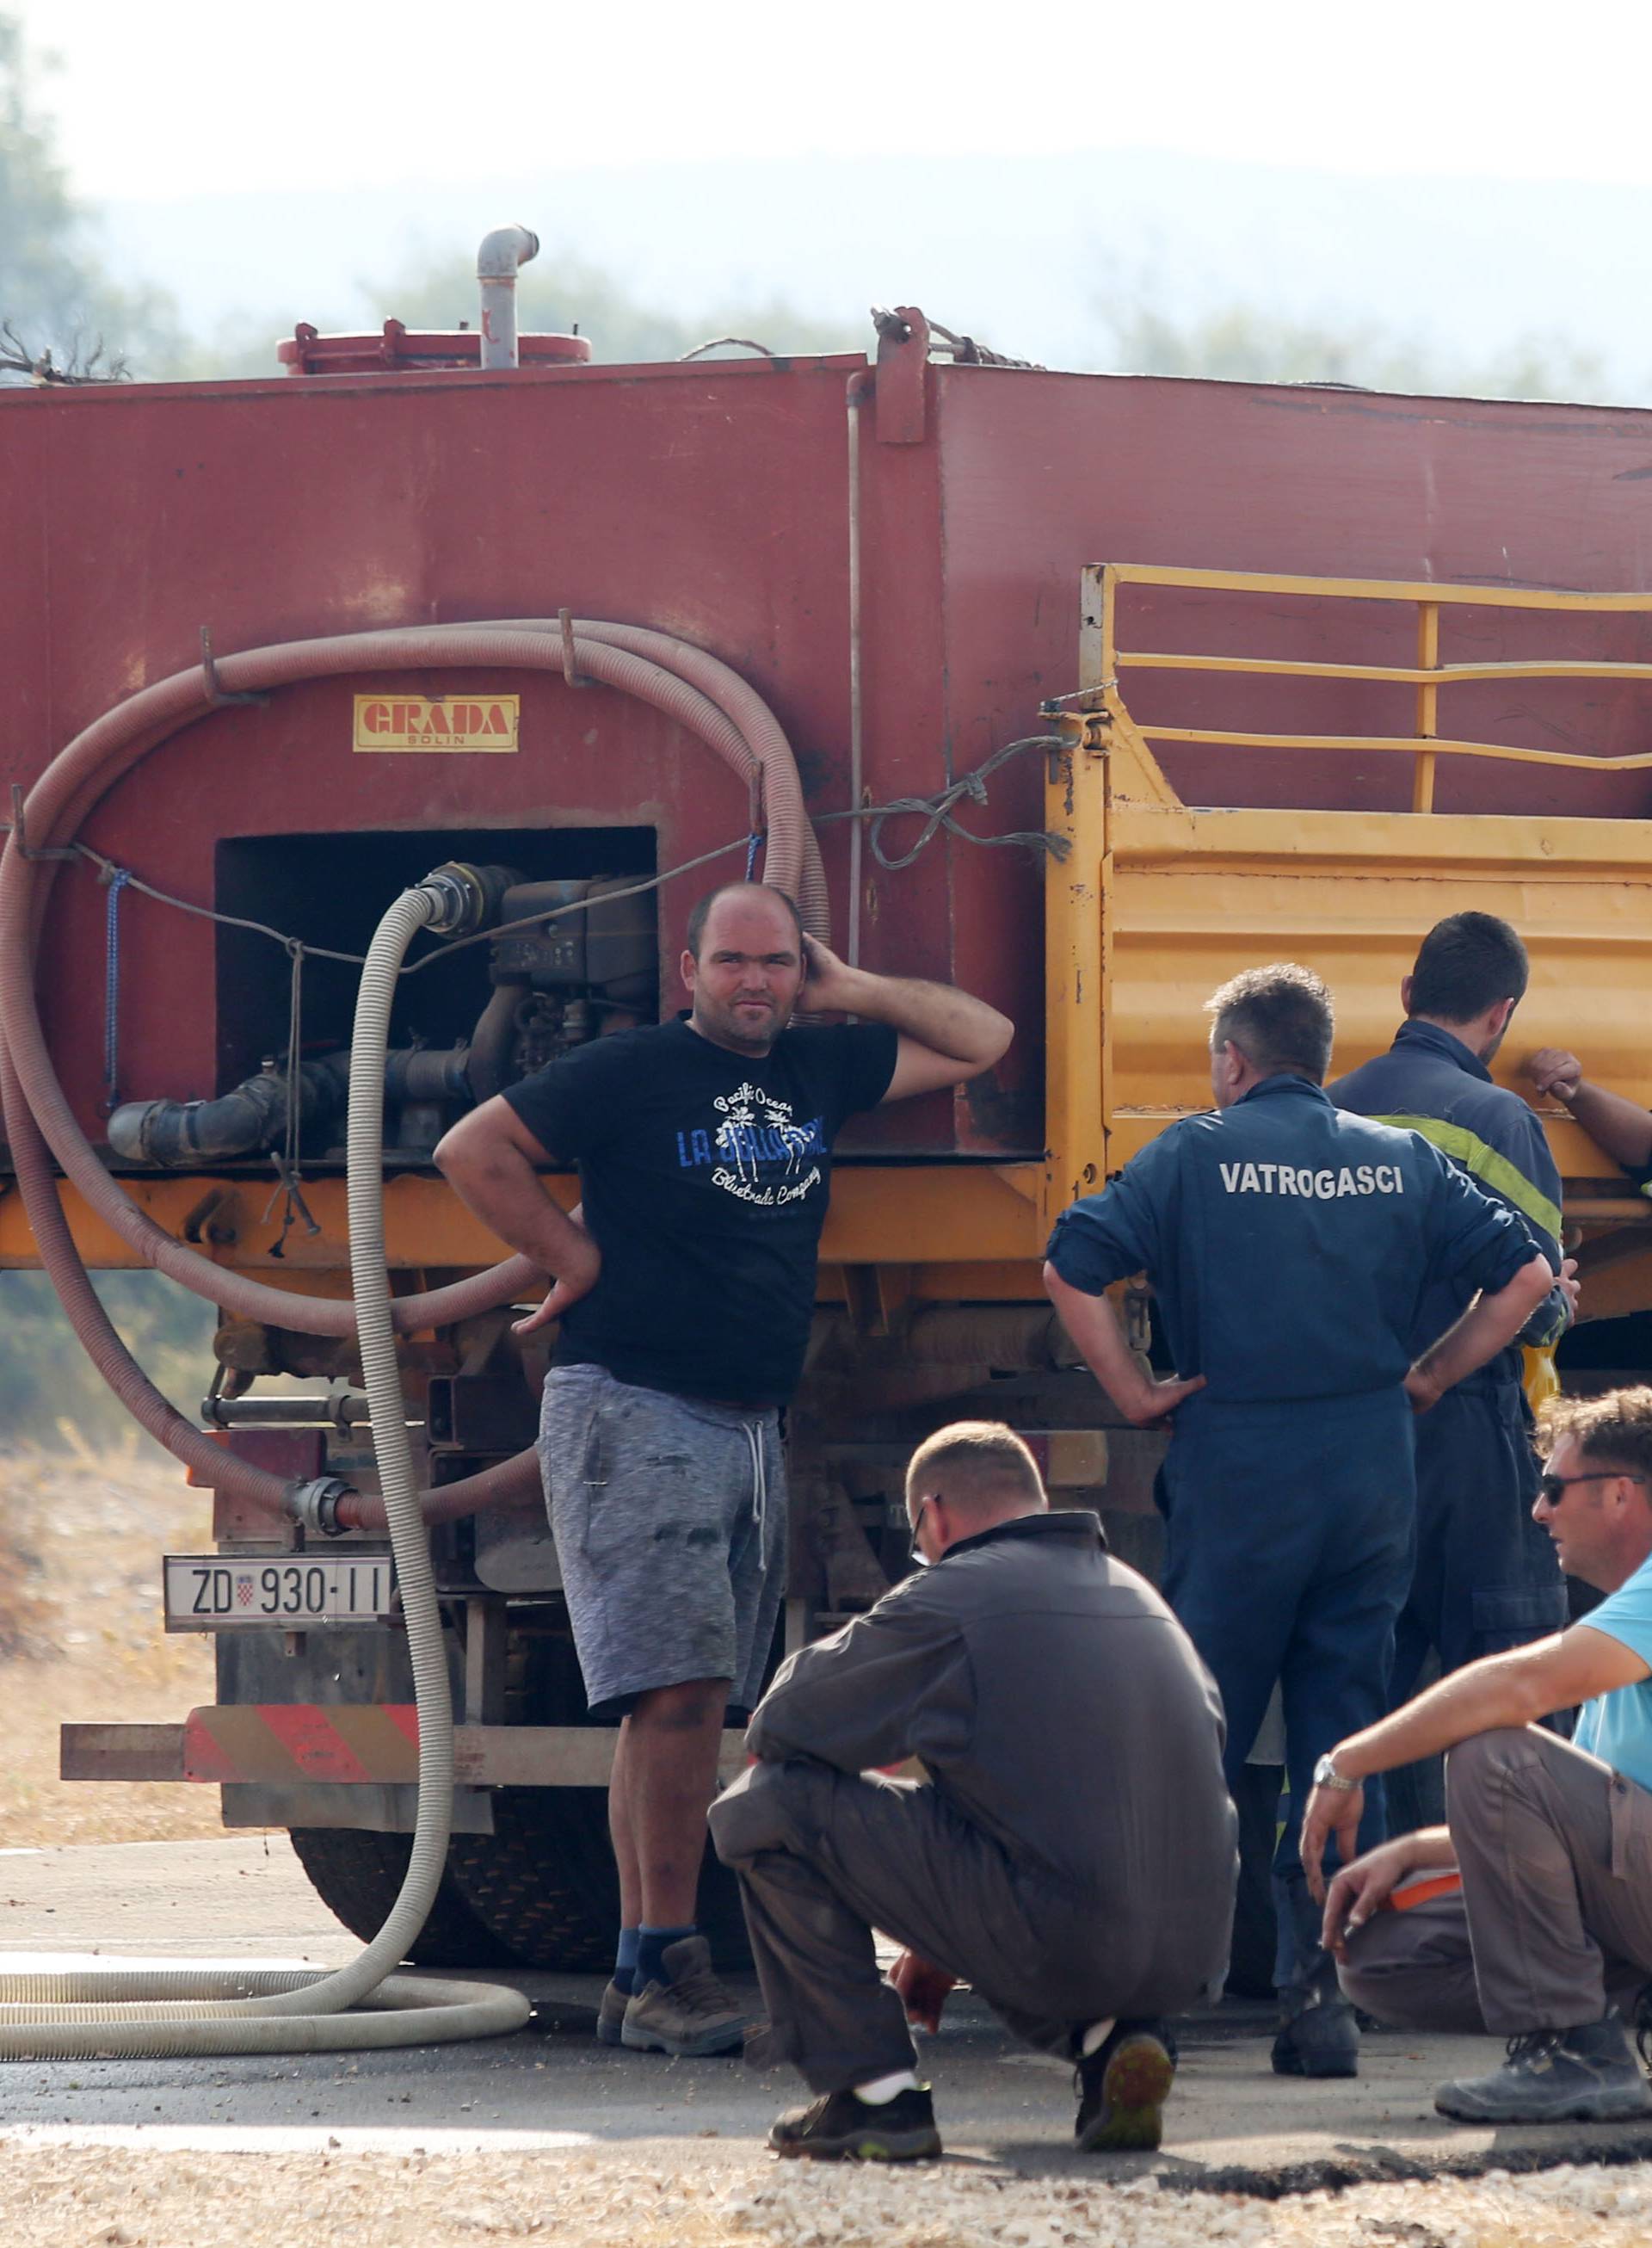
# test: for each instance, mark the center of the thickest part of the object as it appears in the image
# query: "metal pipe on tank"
(859, 388)
(500, 254)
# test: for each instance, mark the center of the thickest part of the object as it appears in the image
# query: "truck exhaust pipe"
(502, 253)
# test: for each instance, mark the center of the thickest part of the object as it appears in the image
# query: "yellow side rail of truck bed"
(1157, 902)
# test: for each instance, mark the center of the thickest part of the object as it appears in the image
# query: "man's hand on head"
(829, 985)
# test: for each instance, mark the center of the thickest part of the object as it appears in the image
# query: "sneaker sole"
(1134, 2085)
(867, 2145)
(703, 2047)
(609, 2032)
(1632, 2103)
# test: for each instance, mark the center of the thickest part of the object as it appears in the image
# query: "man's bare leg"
(668, 1759)
(620, 1832)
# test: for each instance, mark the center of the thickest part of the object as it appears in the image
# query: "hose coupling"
(466, 896)
(314, 1505)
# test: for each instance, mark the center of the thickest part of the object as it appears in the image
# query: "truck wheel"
(544, 1882)
(358, 1875)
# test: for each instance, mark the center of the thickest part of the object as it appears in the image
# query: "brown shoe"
(690, 2015)
(610, 2015)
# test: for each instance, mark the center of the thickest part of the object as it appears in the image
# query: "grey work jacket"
(1052, 1696)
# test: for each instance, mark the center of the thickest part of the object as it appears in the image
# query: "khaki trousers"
(1553, 1921)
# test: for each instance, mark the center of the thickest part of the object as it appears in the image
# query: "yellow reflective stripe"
(1483, 1162)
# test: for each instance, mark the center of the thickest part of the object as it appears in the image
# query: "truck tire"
(358, 1875)
(544, 1881)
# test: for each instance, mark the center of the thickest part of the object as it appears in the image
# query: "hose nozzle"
(468, 897)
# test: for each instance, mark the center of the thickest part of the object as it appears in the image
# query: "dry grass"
(81, 1537)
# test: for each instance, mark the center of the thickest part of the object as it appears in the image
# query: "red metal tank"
(711, 501)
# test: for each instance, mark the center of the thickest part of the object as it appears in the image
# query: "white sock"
(1095, 2036)
(883, 2089)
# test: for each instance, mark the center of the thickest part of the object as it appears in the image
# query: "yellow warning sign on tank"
(410, 722)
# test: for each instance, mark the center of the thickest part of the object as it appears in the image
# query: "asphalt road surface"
(1231, 2123)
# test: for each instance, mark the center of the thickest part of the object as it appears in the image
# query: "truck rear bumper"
(277, 1744)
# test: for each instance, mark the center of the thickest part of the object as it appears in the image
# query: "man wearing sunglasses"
(1529, 1913)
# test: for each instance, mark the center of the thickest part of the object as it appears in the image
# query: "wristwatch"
(1327, 1775)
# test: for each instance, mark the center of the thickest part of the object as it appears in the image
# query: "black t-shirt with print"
(705, 1176)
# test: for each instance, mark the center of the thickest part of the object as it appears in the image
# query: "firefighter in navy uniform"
(1487, 1577)
(1291, 1246)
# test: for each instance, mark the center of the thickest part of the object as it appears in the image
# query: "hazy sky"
(170, 97)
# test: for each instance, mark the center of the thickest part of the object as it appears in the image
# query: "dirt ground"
(81, 1537)
(80, 1540)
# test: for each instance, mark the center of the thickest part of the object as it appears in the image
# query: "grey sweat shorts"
(669, 1516)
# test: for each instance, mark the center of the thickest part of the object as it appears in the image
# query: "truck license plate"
(216, 1592)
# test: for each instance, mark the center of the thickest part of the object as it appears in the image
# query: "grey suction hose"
(163, 2011)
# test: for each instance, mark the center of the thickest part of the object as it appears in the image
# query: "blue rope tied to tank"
(752, 843)
(119, 878)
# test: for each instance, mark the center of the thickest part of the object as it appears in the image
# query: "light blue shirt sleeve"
(1617, 1727)
(1626, 1615)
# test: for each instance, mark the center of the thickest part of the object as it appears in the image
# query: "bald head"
(763, 895)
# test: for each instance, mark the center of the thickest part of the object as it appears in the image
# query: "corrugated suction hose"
(689, 687)
(163, 2011)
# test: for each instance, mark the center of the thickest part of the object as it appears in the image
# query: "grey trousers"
(1554, 1921)
(823, 1858)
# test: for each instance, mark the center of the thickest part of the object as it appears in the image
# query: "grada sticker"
(410, 722)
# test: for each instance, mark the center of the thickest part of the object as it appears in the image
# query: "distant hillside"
(1022, 250)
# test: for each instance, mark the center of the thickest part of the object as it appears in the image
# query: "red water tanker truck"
(1079, 691)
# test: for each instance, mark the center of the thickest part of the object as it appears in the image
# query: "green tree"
(46, 1379)
(1239, 342)
(55, 295)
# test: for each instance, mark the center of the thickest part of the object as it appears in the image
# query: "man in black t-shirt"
(685, 1290)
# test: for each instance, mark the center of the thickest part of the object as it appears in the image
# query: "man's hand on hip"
(581, 1267)
(1159, 1399)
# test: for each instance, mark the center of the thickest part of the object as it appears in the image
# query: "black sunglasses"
(1554, 1488)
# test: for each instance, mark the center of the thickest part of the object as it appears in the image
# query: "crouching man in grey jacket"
(1072, 1857)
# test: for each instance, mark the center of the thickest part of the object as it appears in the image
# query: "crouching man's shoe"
(1121, 2089)
(691, 2015)
(1584, 2075)
(1320, 2035)
(838, 2126)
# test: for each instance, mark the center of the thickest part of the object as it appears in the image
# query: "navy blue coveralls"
(1487, 1576)
(1292, 1248)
